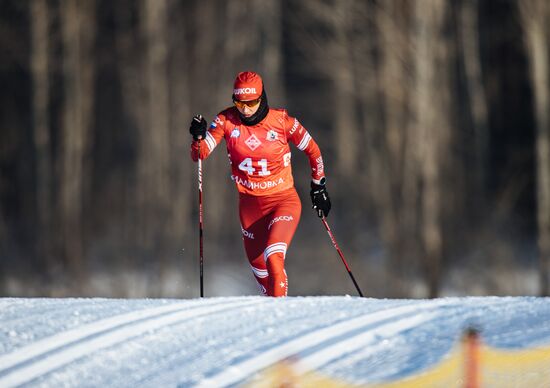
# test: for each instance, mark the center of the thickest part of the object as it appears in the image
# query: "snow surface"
(228, 341)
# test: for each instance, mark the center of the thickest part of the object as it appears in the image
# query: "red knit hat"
(248, 86)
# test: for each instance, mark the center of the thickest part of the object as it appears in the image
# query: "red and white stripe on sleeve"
(296, 133)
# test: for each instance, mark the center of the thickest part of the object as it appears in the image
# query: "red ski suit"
(269, 207)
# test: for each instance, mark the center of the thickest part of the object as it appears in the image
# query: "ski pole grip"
(198, 118)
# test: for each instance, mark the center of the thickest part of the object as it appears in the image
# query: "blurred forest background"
(433, 117)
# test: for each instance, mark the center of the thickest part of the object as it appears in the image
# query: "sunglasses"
(250, 104)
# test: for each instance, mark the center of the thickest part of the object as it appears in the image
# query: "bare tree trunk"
(400, 173)
(40, 18)
(431, 128)
(344, 84)
(374, 166)
(333, 25)
(78, 29)
(476, 98)
(130, 73)
(182, 182)
(269, 17)
(536, 21)
(154, 151)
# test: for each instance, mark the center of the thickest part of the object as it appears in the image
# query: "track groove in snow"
(240, 371)
(361, 341)
(30, 362)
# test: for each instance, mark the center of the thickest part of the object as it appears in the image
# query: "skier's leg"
(278, 281)
(281, 226)
(254, 239)
(259, 269)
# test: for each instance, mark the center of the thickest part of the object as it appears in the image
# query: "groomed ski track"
(215, 342)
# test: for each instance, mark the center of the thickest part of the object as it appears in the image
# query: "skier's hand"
(198, 128)
(320, 199)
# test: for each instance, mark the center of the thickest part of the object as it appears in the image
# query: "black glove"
(320, 199)
(198, 128)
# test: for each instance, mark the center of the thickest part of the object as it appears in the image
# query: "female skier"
(257, 139)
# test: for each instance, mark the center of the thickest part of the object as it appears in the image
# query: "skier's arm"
(210, 140)
(297, 134)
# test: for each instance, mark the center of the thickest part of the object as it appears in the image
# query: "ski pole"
(201, 258)
(200, 223)
(341, 255)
